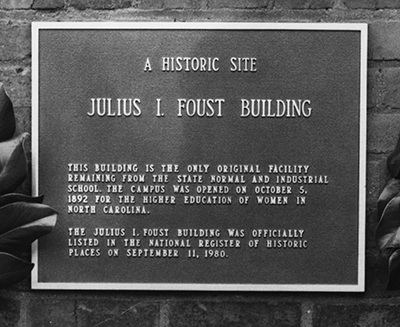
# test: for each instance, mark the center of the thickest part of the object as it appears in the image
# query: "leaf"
(388, 231)
(7, 119)
(12, 164)
(13, 269)
(15, 197)
(391, 189)
(394, 271)
(18, 214)
(18, 239)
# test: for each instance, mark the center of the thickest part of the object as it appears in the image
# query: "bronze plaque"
(200, 156)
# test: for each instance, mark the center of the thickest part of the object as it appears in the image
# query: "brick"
(225, 314)
(377, 175)
(360, 4)
(382, 132)
(110, 313)
(150, 4)
(322, 4)
(51, 312)
(375, 88)
(371, 223)
(364, 314)
(376, 272)
(388, 4)
(48, 4)
(9, 312)
(16, 4)
(391, 92)
(23, 120)
(246, 4)
(17, 82)
(292, 4)
(304, 4)
(15, 41)
(180, 4)
(100, 4)
(384, 40)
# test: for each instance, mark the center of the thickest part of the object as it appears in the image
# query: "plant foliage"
(23, 218)
(388, 229)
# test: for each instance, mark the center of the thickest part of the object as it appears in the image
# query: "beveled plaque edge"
(360, 27)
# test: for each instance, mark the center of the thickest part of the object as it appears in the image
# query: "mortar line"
(307, 309)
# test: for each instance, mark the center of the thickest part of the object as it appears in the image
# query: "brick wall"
(19, 306)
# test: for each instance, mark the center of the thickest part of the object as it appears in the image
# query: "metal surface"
(200, 156)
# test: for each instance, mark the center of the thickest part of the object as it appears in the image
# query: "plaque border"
(362, 28)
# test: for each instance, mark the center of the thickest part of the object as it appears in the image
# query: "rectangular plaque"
(200, 156)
